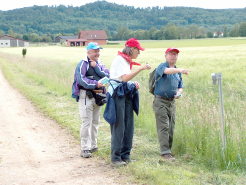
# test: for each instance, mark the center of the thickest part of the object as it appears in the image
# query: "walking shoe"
(118, 163)
(94, 150)
(127, 160)
(168, 157)
(85, 153)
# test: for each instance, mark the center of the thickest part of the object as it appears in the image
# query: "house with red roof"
(86, 36)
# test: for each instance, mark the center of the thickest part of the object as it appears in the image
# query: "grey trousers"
(90, 117)
(165, 122)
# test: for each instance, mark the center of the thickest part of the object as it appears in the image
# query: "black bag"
(100, 98)
(89, 93)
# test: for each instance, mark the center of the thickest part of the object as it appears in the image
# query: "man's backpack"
(152, 81)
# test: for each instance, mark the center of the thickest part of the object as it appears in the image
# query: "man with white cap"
(85, 88)
(168, 87)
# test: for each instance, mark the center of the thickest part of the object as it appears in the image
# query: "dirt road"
(35, 150)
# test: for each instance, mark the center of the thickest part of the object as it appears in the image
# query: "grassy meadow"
(45, 76)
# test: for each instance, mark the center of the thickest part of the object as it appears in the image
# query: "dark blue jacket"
(123, 89)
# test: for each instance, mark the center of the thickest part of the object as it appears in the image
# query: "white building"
(8, 41)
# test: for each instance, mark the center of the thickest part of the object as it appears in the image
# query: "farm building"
(76, 42)
(8, 41)
(84, 38)
(218, 34)
(99, 36)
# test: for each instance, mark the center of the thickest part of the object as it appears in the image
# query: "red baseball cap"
(132, 42)
(172, 49)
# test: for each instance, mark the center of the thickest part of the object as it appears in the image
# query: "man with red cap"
(168, 87)
(123, 92)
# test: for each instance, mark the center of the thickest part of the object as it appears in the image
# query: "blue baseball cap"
(93, 45)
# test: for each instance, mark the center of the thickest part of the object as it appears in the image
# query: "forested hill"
(110, 16)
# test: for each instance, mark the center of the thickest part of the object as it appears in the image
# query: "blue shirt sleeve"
(160, 70)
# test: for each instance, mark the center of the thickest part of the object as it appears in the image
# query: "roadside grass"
(45, 77)
(198, 130)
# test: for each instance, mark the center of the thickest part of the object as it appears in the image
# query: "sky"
(210, 4)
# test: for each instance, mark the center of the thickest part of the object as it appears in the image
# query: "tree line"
(169, 32)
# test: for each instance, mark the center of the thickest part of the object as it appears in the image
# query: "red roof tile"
(93, 35)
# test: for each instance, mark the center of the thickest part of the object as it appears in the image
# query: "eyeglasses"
(136, 49)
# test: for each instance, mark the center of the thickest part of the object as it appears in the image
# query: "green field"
(46, 74)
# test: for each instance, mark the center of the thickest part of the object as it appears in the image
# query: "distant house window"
(1, 43)
(6, 43)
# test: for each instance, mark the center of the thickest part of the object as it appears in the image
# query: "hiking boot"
(118, 163)
(85, 154)
(94, 150)
(168, 157)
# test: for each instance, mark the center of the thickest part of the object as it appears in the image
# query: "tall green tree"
(123, 33)
(242, 29)
(235, 31)
(225, 31)
(11, 33)
(34, 37)
(152, 33)
(193, 31)
(25, 37)
(1, 32)
(210, 34)
(171, 32)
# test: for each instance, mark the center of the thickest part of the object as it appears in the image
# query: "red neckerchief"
(128, 59)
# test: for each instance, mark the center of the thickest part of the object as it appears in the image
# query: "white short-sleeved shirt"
(118, 68)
